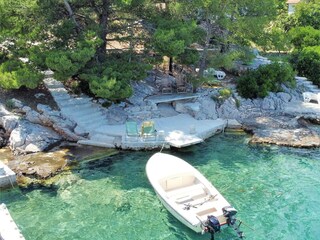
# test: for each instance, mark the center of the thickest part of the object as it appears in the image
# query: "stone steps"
(100, 140)
(95, 125)
(78, 111)
(52, 83)
(88, 115)
(83, 107)
(96, 143)
(75, 101)
(94, 117)
(307, 84)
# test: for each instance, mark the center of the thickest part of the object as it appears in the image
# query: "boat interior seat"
(176, 182)
(187, 194)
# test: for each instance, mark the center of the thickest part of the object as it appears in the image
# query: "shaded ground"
(30, 97)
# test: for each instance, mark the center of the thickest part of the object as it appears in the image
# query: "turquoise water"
(275, 189)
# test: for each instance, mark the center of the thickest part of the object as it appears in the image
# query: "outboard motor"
(212, 225)
(229, 213)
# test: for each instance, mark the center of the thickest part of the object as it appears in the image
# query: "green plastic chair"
(148, 130)
(132, 129)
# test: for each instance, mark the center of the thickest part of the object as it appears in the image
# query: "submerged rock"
(301, 137)
(282, 130)
(39, 165)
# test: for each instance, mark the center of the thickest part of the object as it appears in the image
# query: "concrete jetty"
(7, 176)
(176, 131)
(8, 229)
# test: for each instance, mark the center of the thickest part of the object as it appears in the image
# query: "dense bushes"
(267, 78)
(306, 57)
(305, 37)
(111, 79)
(15, 74)
(307, 63)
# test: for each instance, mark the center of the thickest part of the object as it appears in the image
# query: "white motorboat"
(189, 196)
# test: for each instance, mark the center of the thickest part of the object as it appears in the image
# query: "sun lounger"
(132, 130)
(148, 130)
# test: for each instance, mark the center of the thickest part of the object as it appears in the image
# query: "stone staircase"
(88, 115)
(307, 85)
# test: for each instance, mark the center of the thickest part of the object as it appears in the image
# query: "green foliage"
(222, 95)
(221, 60)
(173, 36)
(15, 74)
(307, 63)
(307, 13)
(225, 93)
(109, 88)
(10, 104)
(111, 80)
(166, 42)
(188, 57)
(267, 78)
(277, 40)
(304, 37)
(66, 64)
(195, 81)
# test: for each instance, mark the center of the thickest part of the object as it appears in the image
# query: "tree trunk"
(203, 59)
(103, 23)
(71, 14)
(170, 65)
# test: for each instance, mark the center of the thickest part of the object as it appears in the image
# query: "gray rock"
(80, 131)
(17, 137)
(285, 97)
(39, 95)
(9, 122)
(28, 133)
(233, 124)
(301, 137)
(17, 103)
(33, 116)
(208, 109)
(32, 148)
(3, 110)
(229, 110)
(268, 104)
(3, 137)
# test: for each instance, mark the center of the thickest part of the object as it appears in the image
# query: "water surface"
(276, 191)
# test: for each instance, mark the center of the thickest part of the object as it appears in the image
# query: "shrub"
(307, 63)
(267, 78)
(15, 74)
(305, 37)
(9, 104)
(225, 93)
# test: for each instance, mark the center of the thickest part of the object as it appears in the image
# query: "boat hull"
(185, 192)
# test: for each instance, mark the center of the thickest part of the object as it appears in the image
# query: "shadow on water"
(128, 167)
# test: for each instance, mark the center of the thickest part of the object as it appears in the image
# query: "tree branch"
(71, 14)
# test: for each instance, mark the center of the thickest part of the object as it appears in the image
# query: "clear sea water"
(276, 191)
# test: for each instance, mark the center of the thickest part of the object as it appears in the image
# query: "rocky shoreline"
(27, 131)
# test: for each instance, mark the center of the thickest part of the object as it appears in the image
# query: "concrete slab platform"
(165, 98)
(8, 228)
(177, 131)
(7, 177)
